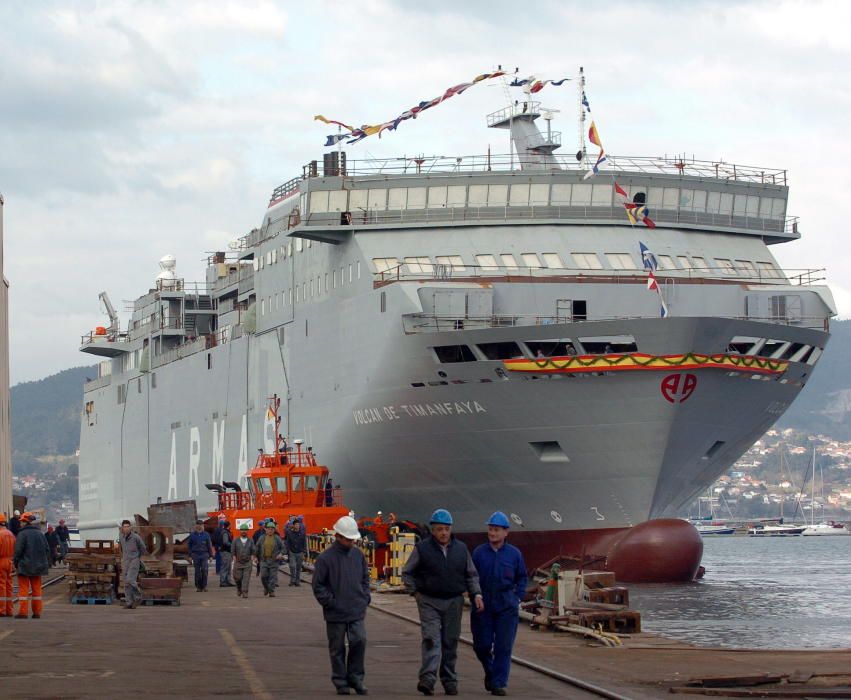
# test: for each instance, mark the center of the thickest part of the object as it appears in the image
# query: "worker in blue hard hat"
(502, 574)
(439, 572)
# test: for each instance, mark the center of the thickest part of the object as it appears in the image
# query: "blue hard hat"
(440, 517)
(499, 519)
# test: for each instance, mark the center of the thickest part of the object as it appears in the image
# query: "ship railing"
(98, 382)
(92, 337)
(737, 273)
(432, 323)
(676, 165)
(181, 351)
(609, 213)
(236, 500)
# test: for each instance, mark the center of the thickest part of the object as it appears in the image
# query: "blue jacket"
(200, 544)
(502, 576)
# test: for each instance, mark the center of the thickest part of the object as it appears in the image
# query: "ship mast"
(580, 155)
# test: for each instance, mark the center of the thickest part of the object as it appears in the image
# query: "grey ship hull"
(628, 454)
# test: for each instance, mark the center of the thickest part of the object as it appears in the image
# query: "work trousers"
(269, 574)
(63, 550)
(224, 569)
(242, 576)
(201, 566)
(493, 639)
(347, 670)
(218, 559)
(6, 596)
(130, 572)
(440, 624)
(29, 585)
(296, 559)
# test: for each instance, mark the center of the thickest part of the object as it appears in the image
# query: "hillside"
(46, 420)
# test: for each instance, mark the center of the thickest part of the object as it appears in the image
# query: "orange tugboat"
(281, 485)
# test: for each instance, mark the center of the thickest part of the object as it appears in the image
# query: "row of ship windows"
(604, 345)
(525, 195)
(282, 252)
(316, 286)
(583, 261)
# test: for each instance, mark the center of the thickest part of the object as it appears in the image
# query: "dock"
(216, 645)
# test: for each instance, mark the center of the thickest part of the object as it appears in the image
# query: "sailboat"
(779, 530)
(829, 528)
(709, 526)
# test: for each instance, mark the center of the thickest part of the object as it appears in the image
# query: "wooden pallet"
(159, 601)
(86, 600)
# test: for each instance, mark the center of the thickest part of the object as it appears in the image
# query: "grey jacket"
(243, 551)
(132, 547)
(32, 553)
(341, 584)
(276, 550)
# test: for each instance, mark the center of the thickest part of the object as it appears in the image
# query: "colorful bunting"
(651, 265)
(357, 134)
(585, 102)
(634, 212)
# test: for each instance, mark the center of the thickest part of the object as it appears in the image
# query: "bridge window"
(397, 198)
(381, 265)
(581, 196)
(746, 268)
(666, 262)
(456, 196)
(263, 484)
(601, 196)
(311, 482)
(416, 197)
(519, 196)
(508, 261)
(767, 269)
(699, 263)
(358, 200)
(377, 199)
(337, 201)
(453, 261)
(416, 266)
(296, 482)
(437, 197)
(539, 195)
(447, 354)
(553, 260)
(500, 351)
(281, 484)
(727, 267)
(531, 260)
(587, 261)
(684, 262)
(621, 261)
(497, 195)
(560, 195)
(487, 263)
(319, 201)
(551, 348)
(605, 344)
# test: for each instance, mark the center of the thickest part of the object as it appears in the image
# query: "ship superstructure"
(454, 332)
(5, 432)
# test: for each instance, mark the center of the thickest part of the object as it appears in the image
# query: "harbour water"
(783, 592)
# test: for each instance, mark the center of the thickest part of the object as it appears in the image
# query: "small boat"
(707, 530)
(776, 531)
(281, 485)
(829, 529)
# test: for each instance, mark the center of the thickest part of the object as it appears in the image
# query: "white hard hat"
(347, 527)
(17, 512)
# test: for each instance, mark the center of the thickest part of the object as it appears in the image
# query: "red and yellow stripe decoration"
(639, 361)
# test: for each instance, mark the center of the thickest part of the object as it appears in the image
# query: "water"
(777, 592)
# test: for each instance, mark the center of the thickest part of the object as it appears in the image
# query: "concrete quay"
(216, 645)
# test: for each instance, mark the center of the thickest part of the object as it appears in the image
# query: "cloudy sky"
(129, 130)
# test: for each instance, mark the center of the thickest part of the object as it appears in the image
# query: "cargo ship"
(473, 333)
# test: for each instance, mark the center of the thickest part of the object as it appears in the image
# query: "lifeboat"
(287, 483)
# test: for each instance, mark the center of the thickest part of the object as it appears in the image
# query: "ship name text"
(384, 414)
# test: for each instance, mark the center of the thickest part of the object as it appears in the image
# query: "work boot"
(245, 595)
(361, 690)
(36, 616)
(343, 691)
(450, 688)
(271, 594)
(425, 688)
(20, 617)
(499, 691)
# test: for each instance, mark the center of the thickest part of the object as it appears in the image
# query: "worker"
(15, 523)
(201, 551)
(329, 493)
(242, 550)
(53, 543)
(438, 572)
(270, 552)
(32, 561)
(225, 545)
(7, 551)
(216, 539)
(258, 533)
(64, 540)
(341, 585)
(296, 542)
(502, 575)
(132, 550)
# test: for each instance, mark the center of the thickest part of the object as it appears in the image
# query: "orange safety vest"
(7, 544)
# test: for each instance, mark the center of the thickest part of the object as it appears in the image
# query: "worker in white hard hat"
(341, 585)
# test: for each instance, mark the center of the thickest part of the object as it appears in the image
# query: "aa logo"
(676, 388)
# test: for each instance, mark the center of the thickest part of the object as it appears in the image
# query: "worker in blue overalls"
(502, 574)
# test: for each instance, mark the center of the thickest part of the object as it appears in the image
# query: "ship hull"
(575, 461)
